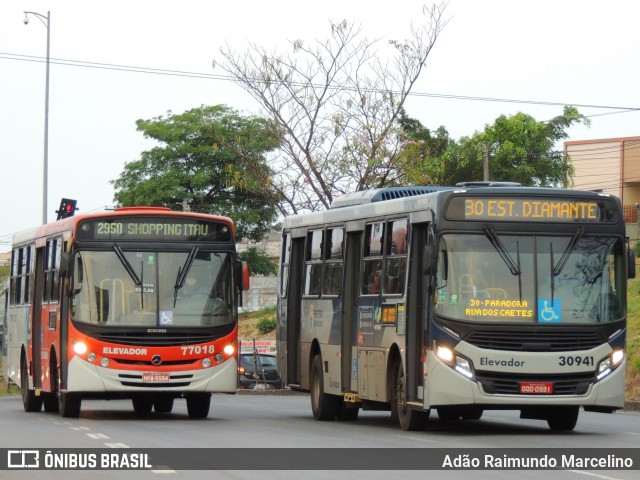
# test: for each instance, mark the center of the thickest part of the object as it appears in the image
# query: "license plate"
(155, 377)
(536, 388)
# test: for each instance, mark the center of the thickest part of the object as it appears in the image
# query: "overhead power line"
(229, 78)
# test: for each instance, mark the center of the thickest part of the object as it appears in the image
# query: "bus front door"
(294, 314)
(416, 313)
(349, 343)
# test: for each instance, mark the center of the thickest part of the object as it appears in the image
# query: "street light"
(46, 21)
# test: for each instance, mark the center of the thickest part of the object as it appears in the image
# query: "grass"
(248, 324)
(633, 341)
(5, 387)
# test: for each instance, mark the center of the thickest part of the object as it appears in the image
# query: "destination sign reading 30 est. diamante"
(529, 209)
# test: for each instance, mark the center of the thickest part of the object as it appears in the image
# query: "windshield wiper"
(182, 273)
(557, 269)
(514, 267)
(567, 252)
(497, 244)
(132, 273)
(127, 266)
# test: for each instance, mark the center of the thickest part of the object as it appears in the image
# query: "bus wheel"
(163, 404)
(50, 400)
(30, 401)
(70, 405)
(472, 414)
(198, 404)
(449, 414)
(409, 419)
(347, 412)
(142, 404)
(563, 418)
(323, 405)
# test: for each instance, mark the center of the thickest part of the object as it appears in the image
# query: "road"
(261, 421)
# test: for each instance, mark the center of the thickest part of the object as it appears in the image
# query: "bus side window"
(333, 258)
(372, 268)
(396, 257)
(313, 266)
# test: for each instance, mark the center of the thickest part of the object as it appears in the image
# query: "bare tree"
(337, 102)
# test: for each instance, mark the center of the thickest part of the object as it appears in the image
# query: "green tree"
(4, 272)
(210, 159)
(520, 149)
(259, 263)
(421, 161)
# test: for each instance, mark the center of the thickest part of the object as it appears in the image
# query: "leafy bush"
(266, 325)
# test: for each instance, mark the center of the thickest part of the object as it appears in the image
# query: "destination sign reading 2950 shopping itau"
(157, 228)
(529, 210)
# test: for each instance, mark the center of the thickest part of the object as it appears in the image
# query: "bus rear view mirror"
(245, 276)
(428, 258)
(631, 263)
(242, 275)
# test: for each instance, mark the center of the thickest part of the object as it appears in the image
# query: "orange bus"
(138, 303)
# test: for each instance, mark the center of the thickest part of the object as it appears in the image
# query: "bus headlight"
(459, 363)
(80, 348)
(608, 364)
(445, 354)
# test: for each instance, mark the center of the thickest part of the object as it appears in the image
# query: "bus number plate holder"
(154, 377)
(536, 388)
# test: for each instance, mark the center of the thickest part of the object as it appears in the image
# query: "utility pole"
(485, 162)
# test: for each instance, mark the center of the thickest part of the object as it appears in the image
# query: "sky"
(510, 56)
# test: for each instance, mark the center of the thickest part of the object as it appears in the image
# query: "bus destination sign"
(530, 209)
(165, 229)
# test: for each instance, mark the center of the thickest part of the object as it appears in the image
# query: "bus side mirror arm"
(429, 261)
(65, 258)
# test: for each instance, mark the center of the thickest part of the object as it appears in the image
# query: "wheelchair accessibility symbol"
(166, 317)
(549, 312)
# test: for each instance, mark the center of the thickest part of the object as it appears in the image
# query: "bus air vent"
(382, 194)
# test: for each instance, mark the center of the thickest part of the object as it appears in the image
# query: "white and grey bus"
(462, 299)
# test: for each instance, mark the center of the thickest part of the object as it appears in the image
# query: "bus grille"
(164, 340)
(148, 363)
(540, 341)
(509, 383)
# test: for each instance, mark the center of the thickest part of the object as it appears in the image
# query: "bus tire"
(323, 405)
(70, 405)
(563, 418)
(346, 412)
(142, 404)
(472, 414)
(30, 401)
(163, 404)
(408, 418)
(198, 405)
(449, 414)
(50, 400)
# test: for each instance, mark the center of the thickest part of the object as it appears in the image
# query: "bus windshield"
(120, 288)
(530, 279)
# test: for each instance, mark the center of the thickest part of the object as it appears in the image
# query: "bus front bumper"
(87, 377)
